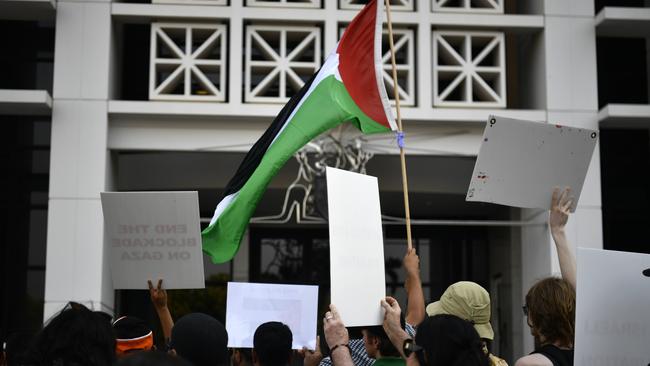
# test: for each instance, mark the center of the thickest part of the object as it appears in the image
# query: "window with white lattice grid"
(285, 3)
(469, 69)
(188, 62)
(191, 2)
(403, 5)
(470, 6)
(279, 60)
(404, 42)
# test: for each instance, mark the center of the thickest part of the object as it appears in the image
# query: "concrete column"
(572, 99)
(76, 267)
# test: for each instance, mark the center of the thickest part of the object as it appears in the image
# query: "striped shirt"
(358, 351)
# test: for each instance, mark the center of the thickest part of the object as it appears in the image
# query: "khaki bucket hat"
(469, 301)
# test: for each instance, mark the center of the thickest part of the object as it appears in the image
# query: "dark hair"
(449, 341)
(386, 347)
(200, 339)
(16, 345)
(76, 336)
(272, 344)
(551, 306)
(246, 354)
(153, 358)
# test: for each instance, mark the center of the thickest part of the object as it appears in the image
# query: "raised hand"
(311, 358)
(335, 332)
(158, 295)
(561, 202)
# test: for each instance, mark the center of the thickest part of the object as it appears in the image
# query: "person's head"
(200, 339)
(551, 308)
(377, 343)
(272, 344)
(151, 359)
(448, 340)
(15, 346)
(133, 335)
(76, 336)
(242, 357)
(469, 301)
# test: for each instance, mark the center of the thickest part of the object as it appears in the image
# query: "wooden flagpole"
(400, 132)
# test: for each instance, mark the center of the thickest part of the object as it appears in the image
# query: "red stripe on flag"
(357, 63)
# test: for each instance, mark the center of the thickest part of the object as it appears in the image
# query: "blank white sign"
(613, 308)
(356, 247)
(520, 162)
(251, 304)
(151, 236)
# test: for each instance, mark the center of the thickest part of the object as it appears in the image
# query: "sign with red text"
(151, 236)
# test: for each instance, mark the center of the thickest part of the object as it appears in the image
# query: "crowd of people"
(453, 331)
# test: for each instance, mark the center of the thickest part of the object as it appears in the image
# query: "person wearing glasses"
(551, 303)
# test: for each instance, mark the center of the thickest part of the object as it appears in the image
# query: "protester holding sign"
(414, 315)
(551, 303)
(440, 340)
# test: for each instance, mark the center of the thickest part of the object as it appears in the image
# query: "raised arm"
(337, 338)
(159, 300)
(393, 328)
(415, 311)
(561, 202)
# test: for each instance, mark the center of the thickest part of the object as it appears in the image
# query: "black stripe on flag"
(254, 156)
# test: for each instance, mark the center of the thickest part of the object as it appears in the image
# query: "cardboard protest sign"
(613, 308)
(356, 247)
(250, 304)
(153, 235)
(520, 162)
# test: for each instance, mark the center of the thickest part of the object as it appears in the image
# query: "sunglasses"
(525, 309)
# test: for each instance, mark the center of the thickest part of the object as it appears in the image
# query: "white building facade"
(171, 94)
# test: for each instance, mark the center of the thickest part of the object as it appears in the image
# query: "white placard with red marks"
(613, 308)
(151, 236)
(520, 162)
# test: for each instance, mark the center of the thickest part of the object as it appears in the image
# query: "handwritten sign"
(153, 235)
(356, 247)
(520, 162)
(251, 304)
(613, 308)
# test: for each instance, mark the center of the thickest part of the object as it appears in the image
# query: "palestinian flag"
(348, 87)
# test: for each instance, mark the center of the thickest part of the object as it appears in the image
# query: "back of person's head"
(15, 347)
(272, 344)
(132, 334)
(551, 305)
(242, 356)
(385, 346)
(448, 340)
(151, 359)
(469, 301)
(200, 339)
(76, 336)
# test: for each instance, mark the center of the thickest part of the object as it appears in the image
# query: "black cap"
(130, 327)
(201, 340)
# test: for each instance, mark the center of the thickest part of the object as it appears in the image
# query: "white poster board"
(520, 162)
(612, 309)
(356, 247)
(151, 236)
(250, 304)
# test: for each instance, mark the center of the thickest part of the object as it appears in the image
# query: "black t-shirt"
(558, 356)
